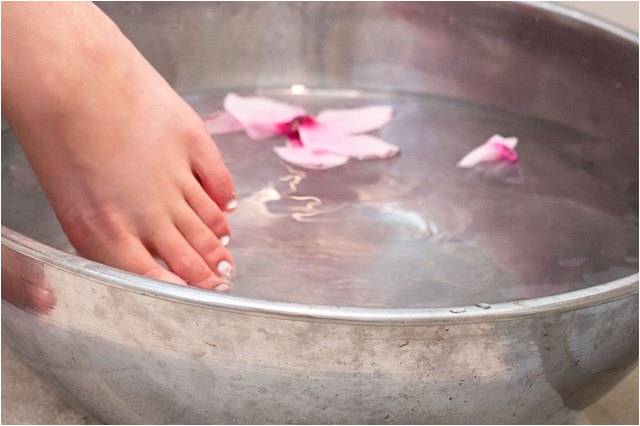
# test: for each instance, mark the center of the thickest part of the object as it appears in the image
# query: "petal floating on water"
(221, 122)
(319, 137)
(260, 117)
(496, 148)
(308, 159)
(356, 120)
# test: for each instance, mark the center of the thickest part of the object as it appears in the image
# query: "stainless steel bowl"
(423, 293)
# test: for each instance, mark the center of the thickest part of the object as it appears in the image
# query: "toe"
(208, 212)
(205, 243)
(157, 272)
(185, 261)
(127, 252)
(214, 175)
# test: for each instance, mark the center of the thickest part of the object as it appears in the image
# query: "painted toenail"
(232, 204)
(225, 268)
(223, 287)
(224, 240)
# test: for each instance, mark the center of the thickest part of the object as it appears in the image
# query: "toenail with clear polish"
(223, 287)
(225, 268)
(232, 204)
(224, 240)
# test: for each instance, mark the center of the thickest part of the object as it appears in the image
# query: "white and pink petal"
(497, 148)
(221, 122)
(356, 120)
(261, 117)
(304, 157)
(318, 137)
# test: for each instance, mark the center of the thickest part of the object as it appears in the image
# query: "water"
(415, 230)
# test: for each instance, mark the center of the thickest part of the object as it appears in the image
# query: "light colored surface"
(623, 13)
(27, 399)
(620, 406)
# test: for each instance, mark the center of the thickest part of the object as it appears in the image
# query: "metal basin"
(398, 291)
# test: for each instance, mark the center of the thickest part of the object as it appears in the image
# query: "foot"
(128, 166)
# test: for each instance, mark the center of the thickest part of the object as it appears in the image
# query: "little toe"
(186, 262)
(160, 273)
(214, 175)
(209, 213)
(128, 253)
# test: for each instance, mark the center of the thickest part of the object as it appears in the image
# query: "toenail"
(232, 204)
(223, 287)
(224, 240)
(225, 268)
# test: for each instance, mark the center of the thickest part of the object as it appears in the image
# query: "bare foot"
(127, 165)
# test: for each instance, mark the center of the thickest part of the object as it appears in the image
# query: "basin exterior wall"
(136, 358)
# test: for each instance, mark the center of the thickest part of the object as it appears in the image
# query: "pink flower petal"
(509, 142)
(318, 137)
(260, 117)
(496, 148)
(308, 159)
(356, 120)
(221, 122)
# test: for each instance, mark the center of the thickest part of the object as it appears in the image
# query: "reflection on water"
(411, 231)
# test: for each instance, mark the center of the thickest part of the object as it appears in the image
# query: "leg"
(127, 165)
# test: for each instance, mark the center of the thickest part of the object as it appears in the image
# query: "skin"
(127, 165)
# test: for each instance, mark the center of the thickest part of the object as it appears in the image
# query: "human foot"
(127, 165)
